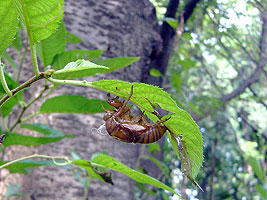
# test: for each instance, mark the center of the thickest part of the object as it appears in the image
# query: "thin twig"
(22, 86)
(26, 107)
(21, 61)
(53, 158)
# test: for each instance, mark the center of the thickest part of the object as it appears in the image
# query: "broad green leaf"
(155, 73)
(41, 18)
(180, 124)
(43, 129)
(88, 167)
(72, 39)
(261, 191)
(51, 46)
(73, 104)
(164, 169)
(256, 168)
(21, 167)
(116, 63)
(77, 69)
(172, 22)
(110, 163)
(64, 58)
(18, 139)
(8, 24)
(112, 64)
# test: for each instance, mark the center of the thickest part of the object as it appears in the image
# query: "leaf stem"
(53, 158)
(21, 61)
(3, 80)
(34, 59)
(26, 107)
(29, 117)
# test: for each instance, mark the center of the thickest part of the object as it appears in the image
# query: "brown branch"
(260, 64)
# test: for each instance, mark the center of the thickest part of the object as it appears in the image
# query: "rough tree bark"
(123, 28)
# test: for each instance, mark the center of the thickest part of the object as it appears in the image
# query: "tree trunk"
(122, 28)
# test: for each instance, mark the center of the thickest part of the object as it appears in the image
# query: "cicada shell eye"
(116, 103)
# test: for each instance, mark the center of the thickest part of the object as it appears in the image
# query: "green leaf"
(18, 139)
(41, 18)
(164, 169)
(155, 73)
(51, 46)
(77, 69)
(8, 24)
(187, 64)
(172, 22)
(261, 191)
(64, 58)
(43, 129)
(73, 104)
(256, 168)
(72, 39)
(21, 167)
(112, 64)
(154, 147)
(88, 167)
(110, 163)
(115, 63)
(180, 124)
(7, 107)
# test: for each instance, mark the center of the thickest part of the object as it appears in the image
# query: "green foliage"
(23, 166)
(72, 39)
(65, 104)
(172, 22)
(155, 73)
(110, 163)
(44, 129)
(8, 24)
(40, 18)
(154, 147)
(55, 44)
(78, 69)
(60, 60)
(9, 104)
(256, 169)
(18, 139)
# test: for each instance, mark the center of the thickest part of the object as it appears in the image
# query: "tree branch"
(160, 62)
(260, 64)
